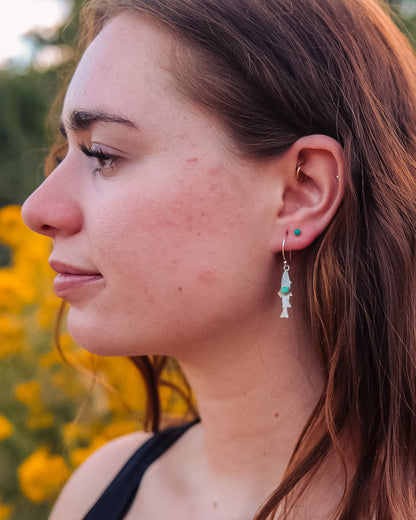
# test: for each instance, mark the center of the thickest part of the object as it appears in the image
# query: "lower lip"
(66, 283)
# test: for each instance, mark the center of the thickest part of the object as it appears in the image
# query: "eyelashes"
(105, 161)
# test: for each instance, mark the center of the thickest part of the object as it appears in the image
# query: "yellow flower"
(6, 429)
(50, 359)
(40, 420)
(171, 402)
(69, 382)
(13, 232)
(74, 432)
(53, 357)
(42, 475)
(5, 511)
(48, 310)
(123, 376)
(28, 393)
(120, 428)
(15, 291)
(28, 279)
(11, 334)
(79, 455)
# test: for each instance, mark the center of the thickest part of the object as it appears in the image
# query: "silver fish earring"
(284, 292)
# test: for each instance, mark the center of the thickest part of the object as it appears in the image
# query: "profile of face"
(161, 233)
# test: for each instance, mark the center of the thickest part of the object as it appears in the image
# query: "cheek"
(179, 236)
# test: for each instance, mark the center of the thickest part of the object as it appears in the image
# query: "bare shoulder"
(89, 481)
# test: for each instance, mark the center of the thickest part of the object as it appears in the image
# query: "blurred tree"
(25, 98)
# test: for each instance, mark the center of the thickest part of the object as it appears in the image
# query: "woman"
(239, 193)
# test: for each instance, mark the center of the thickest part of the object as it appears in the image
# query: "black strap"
(116, 500)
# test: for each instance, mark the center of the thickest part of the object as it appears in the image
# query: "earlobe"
(313, 188)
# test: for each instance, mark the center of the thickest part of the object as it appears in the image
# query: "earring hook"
(283, 247)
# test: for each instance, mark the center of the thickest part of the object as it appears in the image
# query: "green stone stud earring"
(297, 232)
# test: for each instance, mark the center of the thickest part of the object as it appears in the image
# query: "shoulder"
(89, 481)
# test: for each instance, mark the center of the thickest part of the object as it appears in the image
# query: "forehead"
(122, 68)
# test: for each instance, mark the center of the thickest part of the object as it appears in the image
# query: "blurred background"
(52, 415)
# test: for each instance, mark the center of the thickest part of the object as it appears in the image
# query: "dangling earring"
(284, 292)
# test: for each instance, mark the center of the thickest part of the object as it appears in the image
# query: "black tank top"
(116, 500)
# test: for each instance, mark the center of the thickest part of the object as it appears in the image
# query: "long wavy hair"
(276, 70)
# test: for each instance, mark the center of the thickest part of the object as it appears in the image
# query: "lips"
(62, 268)
(72, 279)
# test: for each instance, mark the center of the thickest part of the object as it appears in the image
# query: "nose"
(53, 209)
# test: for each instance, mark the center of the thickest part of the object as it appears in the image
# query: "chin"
(90, 335)
(110, 335)
(99, 338)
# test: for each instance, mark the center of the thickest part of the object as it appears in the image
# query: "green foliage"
(408, 26)
(25, 98)
(24, 101)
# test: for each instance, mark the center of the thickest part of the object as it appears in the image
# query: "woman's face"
(161, 235)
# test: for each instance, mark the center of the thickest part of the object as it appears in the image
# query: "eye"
(105, 161)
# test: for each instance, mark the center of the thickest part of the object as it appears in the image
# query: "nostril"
(46, 228)
(49, 231)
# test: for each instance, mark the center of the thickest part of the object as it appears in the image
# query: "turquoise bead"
(284, 290)
(297, 232)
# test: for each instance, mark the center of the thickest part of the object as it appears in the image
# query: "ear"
(311, 188)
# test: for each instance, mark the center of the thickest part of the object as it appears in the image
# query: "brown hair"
(274, 71)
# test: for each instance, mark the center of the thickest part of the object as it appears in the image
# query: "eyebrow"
(82, 119)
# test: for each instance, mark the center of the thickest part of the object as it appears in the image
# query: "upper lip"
(62, 268)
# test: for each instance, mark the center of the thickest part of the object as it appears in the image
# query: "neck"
(254, 399)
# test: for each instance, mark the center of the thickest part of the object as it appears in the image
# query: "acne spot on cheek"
(179, 289)
(192, 160)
